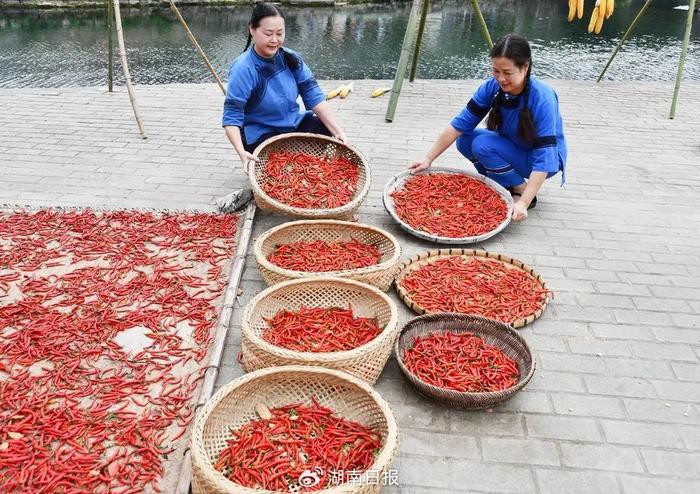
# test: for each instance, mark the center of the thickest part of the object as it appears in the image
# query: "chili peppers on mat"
(460, 361)
(105, 319)
(323, 256)
(475, 285)
(309, 182)
(449, 205)
(273, 452)
(320, 329)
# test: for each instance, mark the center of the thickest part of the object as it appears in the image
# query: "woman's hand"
(246, 158)
(416, 166)
(340, 135)
(519, 211)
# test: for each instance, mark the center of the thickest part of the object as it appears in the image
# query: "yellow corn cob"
(572, 10)
(601, 16)
(579, 9)
(379, 91)
(610, 8)
(594, 19)
(346, 90)
(334, 93)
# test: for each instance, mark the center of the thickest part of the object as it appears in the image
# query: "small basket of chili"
(463, 361)
(473, 282)
(447, 205)
(293, 429)
(329, 322)
(309, 176)
(343, 249)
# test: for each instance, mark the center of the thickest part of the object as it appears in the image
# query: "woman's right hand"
(422, 164)
(246, 158)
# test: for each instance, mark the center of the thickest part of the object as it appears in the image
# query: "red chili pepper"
(324, 256)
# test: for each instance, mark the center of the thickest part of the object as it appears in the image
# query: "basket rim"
(400, 178)
(389, 330)
(350, 225)
(352, 204)
(463, 395)
(427, 257)
(385, 454)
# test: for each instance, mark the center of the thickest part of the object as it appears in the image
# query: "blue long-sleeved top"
(549, 149)
(262, 93)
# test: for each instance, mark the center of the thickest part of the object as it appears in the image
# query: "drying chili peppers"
(475, 285)
(309, 182)
(320, 329)
(273, 453)
(449, 205)
(460, 361)
(324, 256)
(104, 320)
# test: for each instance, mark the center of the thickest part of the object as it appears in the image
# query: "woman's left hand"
(519, 211)
(340, 135)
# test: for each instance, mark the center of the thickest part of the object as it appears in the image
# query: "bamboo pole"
(624, 37)
(125, 67)
(419, 39)
(183, 484)
(482, 22)
(408, 39)
(196, 45)
(110, 46)
(681, 62)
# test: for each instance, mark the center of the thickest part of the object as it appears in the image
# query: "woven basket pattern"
(233, 406)
(365, 362)
(380, 275)
(492, 332)
(425, 258)
(316, 145)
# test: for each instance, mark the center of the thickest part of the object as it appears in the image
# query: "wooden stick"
(624, 37)
(681, 62)
(110, 47)
(419, 39)
(482, 22)
(125, 67)
(196, 45)
(408, 40)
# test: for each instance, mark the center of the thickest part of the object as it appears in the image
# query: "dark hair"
(517, 49)
(260, 11)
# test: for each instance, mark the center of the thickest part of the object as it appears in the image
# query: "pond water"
(69, 48)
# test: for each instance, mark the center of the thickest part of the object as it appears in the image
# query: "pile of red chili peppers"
(273, 453)
(305, 181)
(320, 329)
(323, 256)
(475, 285)
(449, 205)
(79, 411)
(460, 361)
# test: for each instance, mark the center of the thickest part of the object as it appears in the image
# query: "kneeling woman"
(263, 86)
(524, 142)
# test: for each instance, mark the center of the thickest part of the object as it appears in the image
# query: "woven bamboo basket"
(425, 258)
(492, 332)
(380, 275)
(234, 405)
(365, 362)
(316, 145)
(396, 183)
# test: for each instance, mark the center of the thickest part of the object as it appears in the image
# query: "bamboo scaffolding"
(419, 39)
(125, 67)
(681, 62)
(624, 37)
(196, 45)
(110, 46)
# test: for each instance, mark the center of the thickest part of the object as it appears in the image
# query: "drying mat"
(315, 145)
(397, 182)
(426, 258)
(380, 275)
(105, 323)
(234, 405)
(492, 332)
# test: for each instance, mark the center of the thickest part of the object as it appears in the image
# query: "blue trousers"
(310, 123)
(497, 157)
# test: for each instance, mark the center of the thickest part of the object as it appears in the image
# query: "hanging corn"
(603, 10)
(575, 9)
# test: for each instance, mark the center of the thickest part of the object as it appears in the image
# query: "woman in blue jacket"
(263, 86)
(523, 142)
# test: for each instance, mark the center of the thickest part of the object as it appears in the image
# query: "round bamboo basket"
(365, 362)
(425, 258)
(316, 145)
(397, 181)
(492, 332)
(380, 275)
(234, 405)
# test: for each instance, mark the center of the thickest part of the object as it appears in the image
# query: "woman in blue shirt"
(263, 86)
(523, 143)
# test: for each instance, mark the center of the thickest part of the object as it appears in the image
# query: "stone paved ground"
(613, 406)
